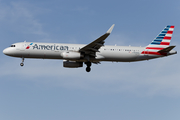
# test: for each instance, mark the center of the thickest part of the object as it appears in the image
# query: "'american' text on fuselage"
(50, 47)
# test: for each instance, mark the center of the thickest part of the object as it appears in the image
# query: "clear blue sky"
(44, 90)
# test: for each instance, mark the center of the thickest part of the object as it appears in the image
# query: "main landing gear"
(22, 64)
(88, 68)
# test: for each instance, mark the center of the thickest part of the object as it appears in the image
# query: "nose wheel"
(22, 64)
(88, 68)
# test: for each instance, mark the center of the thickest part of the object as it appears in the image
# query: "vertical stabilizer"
(164, 38)
(161, 41)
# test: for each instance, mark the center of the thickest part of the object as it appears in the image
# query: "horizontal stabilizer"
(165, 50)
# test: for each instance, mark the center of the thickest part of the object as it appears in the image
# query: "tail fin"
(164, 38)
(161, 42)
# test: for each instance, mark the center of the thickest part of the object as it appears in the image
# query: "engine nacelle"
(71, 64)
(71, 55)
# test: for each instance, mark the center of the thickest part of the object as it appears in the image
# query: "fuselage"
(57, 50)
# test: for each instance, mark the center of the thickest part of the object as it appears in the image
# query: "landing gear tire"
(88, 69)
(21, 64)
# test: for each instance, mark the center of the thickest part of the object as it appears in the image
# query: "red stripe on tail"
(169, 32)
(155, 48)
(168, 38)
(165, 43)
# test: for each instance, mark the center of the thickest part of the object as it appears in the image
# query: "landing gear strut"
(22, 64)
(88, 68)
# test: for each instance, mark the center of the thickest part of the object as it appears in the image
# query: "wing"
(94, 46)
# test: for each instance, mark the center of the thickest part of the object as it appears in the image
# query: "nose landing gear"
(22, 64)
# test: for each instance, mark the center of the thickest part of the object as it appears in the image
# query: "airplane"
(74, 55)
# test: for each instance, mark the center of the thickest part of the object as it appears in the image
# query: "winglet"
(110, 29)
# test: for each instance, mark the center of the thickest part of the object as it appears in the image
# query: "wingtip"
(110, 29)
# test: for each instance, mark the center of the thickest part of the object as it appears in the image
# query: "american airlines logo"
(29, 46)
(49, 47)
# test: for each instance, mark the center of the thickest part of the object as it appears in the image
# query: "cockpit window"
(13, 46)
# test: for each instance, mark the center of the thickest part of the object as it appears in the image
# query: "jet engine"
(71, 55)
(70, 64)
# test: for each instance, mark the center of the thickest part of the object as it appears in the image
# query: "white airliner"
(74, 55)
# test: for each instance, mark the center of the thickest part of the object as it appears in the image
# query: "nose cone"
(8, 51)
(5, 51)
